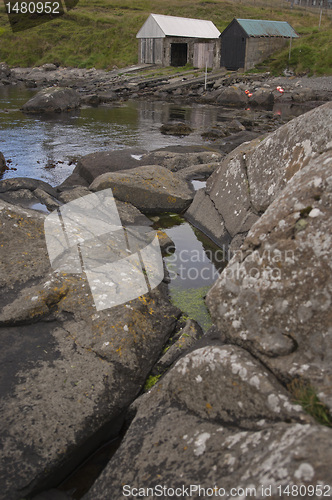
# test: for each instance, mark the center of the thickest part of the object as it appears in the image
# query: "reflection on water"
(46, 146)
(193, 267)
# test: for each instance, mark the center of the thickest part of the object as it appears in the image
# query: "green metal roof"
(256, 27)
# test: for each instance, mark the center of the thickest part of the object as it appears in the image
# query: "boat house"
(247, 42)
(176, 41)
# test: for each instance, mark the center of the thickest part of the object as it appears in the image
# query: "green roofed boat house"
(247, 42)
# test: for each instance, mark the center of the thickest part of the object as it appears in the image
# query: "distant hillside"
(102, 33)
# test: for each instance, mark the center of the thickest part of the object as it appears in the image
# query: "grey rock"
(18, 183)
(232, 96)
(93, 165)
(282, 153)
(201, 171)
(74, 180)
(228, 144)
(176, 162)
(68, 372)
(165, 243)
(175, 128)
(234, 126)
(273, 298)
(228, 189)
(53, 100)
(2, 163)
(304, 95)
(92, 99)
(223, 209)
(108, 96)
(203, 214)
(217, 418)
(30, 84)
(49, 67)
(151, 189)
(214, 133)
(261, 97)
(72, 194)
(254, 173)
(22, 197)
(47, 200)
(130, 215)
(187, 337)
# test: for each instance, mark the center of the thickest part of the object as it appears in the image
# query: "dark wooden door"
(233, 52)
(179, 54)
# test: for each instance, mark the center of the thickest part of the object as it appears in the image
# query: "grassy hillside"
(102, 33)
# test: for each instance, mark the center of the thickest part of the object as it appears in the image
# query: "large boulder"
(151, 189)
(274, 297)
(53, 100)
(232, 96)
(91, 166)
(261, 97)
(68, 371)
(254, 174)
(218, 424)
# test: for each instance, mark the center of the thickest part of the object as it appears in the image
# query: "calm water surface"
(45, 146)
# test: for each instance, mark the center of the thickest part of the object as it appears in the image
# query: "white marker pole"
(320, 17)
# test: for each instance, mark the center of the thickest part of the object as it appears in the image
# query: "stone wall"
(258, 49)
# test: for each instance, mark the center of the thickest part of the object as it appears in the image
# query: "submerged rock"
(176, 129)
(5, 70)
(53, 100)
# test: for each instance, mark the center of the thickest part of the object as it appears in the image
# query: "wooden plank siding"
(203, 52)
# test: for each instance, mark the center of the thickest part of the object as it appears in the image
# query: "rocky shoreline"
(228, 414)
(99, 86)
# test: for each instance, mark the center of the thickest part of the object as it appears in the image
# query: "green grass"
(150, 382)
(102, 33)
(305, 395)
(310, 55)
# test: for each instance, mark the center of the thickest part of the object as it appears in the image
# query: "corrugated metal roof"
(159, 26)
(256, 27)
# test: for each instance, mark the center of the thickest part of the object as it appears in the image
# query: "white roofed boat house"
(176, 41)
